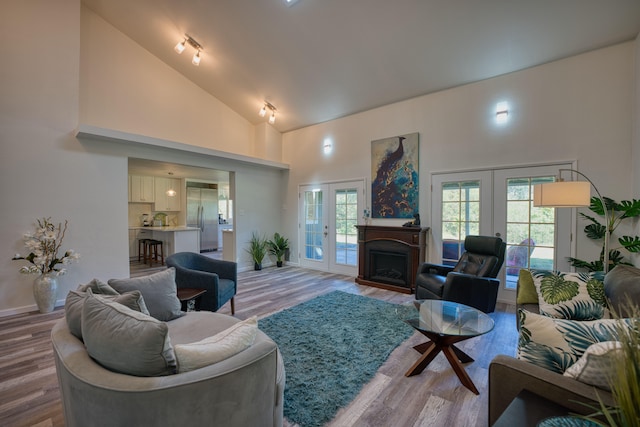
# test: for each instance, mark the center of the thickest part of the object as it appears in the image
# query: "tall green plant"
(278, 246)
(624, 377)
(257, 249)
(618, 212)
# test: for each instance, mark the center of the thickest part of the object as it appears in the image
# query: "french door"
(328, 238)
(500, 202)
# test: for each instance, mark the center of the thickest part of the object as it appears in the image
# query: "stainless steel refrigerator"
(202, 212)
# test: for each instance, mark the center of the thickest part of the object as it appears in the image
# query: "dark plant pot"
(279, 263)
(257, 266)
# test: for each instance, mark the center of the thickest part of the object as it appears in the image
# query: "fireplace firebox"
(389, 256)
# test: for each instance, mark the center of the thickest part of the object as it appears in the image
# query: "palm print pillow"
(556, 344)
(576, 296)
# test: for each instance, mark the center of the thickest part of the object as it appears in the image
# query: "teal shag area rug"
(332, 346)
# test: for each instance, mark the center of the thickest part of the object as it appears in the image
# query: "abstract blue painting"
(394, 176)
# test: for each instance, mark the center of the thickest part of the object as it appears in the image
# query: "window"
(313, 223)
(346, 206)
(460, 217)
(530, 233)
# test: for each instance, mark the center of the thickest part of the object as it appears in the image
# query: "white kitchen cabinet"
(141, 189)
(228, 245)
(164, 202)
(177, 239)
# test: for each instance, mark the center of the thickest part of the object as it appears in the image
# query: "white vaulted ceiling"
(319, 60)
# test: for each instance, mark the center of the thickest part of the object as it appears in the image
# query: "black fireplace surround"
(388, 257)
(389, 263)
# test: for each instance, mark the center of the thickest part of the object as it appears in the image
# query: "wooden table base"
(454, 355)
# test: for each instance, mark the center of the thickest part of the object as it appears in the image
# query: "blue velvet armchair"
(219, 278)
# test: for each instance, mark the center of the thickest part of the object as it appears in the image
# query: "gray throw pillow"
(126, 341)
(75, 300)
(622, 287)
(158, 290)
(98, 287)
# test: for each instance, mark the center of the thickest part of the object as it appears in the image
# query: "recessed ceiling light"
(290, 2)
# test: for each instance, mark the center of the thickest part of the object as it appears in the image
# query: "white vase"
(45, 291)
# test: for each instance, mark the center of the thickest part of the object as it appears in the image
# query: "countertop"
(167, 228)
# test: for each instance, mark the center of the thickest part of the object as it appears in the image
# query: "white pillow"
(217, 348)
(595, 367)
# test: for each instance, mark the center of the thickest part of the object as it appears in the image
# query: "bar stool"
(152, 245)
(142, 249)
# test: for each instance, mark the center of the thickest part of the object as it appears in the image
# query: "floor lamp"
(572, 194)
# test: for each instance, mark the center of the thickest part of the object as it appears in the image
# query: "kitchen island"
(174, 238)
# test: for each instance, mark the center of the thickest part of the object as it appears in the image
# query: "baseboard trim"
(26, 309)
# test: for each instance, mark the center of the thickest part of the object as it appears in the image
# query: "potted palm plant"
(257, 249)
(278, 246)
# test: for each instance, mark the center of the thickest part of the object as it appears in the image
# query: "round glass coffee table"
(446, 323)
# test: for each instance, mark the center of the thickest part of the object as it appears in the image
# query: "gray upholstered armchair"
(472, 281)
(219, 278)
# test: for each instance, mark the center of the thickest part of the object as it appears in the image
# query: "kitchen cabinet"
(164, 202)
(228, 245)
(174, 239)
(141, 189)
(221, 228)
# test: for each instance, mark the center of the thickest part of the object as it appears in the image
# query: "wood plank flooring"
(29, 393)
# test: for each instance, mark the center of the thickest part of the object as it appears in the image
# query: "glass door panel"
(530, 232)
(328, 236)
(346, 204)
(536, 237)
(460, 217)
(500, 202)
(314, 227)
(461, 206)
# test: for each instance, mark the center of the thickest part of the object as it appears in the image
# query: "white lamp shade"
(562, 194)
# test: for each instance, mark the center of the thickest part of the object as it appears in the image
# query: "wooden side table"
(190, 298)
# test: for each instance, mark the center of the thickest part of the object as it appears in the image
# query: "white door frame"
(328, 262)
(493, 217)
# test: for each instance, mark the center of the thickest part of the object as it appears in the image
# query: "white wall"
(268, 142)
(577, 108)
(125, 87)
(47, 171)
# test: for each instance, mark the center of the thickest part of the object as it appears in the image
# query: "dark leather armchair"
(472, 281)
(219, 278)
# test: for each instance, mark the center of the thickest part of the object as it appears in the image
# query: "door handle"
(498, 235)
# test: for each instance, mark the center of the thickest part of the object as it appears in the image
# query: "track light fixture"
(191, 41)
(180, 47)
(263, 111)
(196, 59)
